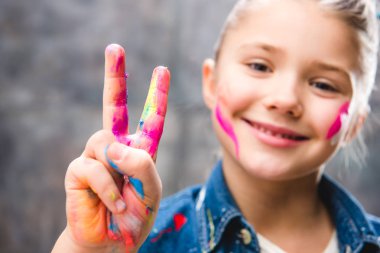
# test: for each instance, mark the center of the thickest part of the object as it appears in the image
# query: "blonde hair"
(361, 16)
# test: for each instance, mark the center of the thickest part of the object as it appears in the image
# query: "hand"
(113, 188)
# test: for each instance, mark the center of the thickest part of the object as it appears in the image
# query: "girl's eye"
(324, 86)
(259, 67)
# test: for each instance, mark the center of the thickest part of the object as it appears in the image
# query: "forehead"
(299, 27)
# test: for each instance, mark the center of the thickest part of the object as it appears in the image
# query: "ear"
(209, 83)
(357, 125)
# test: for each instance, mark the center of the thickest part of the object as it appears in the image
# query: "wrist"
(66, 243)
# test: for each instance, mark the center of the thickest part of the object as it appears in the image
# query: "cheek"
(227, 128)
(337, 124)
(236, 96)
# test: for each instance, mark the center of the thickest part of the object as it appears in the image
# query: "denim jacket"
(207, 219)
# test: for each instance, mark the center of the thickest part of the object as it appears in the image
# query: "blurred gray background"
(51, 80)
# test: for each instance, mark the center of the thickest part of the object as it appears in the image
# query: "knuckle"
(84, 166)
(144, 160)
(105, 185)
(75, 164)
(93, 165)
(99, 137)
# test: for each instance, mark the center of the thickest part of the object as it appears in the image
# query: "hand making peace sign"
(113, 189)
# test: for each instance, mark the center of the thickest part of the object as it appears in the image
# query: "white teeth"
(269, 132)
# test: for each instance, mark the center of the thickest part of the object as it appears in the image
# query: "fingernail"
(120, 205)
(114, 49)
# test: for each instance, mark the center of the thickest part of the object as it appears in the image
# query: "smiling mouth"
(277, 132)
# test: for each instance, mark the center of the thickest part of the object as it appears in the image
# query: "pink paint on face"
(228, 128)
(337, 125)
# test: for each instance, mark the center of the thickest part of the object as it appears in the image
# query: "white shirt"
(267, 246)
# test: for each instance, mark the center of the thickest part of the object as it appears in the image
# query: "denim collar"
(353, 227)
(216, 209)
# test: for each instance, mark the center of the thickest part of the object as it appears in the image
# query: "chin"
(272, 169)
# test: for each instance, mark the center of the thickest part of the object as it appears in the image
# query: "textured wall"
(51, 74)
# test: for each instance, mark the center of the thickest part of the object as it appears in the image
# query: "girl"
(288, 86)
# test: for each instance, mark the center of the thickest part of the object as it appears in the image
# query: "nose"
(285, 100)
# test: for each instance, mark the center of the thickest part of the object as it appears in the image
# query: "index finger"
(115, 110)
(152, 119)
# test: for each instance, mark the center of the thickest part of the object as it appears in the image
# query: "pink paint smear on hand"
(228, 128)
(120, 117)
(337, 125)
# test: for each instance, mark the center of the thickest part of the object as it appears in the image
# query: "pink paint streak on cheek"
(228, 128)
(337, 124)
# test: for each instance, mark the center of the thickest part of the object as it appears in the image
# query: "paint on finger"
(120, 121)
(120, 115)
(150, 106)
(113, 196)
(228, 128)
(141, 124)
(110, 162)
(121, 98)
(138, 186)
(113, 228)
(119, 61)
(153, 130)
(152, 119)
(156, 101)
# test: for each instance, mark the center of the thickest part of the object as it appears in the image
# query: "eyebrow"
(264, 46)
(332, 68)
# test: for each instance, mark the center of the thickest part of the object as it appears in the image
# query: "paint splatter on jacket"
(207, 219)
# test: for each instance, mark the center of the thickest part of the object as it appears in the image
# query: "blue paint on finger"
(138, 185)
(113, 226)
(110, 162)
(141, 124)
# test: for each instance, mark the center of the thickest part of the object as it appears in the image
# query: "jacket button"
(246, 236)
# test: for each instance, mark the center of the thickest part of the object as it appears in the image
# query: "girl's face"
(281, 88)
